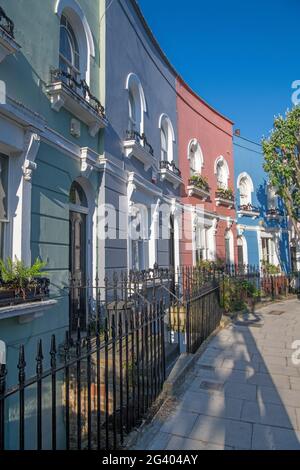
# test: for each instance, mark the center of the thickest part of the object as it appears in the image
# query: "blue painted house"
(263, 235)
(140, 142)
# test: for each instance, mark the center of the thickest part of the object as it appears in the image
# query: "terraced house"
(263, 229)
(51, 142)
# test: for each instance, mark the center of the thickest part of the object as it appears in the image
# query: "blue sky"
(241, 56)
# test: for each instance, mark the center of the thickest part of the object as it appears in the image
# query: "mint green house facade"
(52, 121)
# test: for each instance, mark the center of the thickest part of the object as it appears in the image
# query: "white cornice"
(144, 185)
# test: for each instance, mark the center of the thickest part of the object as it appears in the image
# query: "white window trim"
(199, 152)
(164, 120)
(246, 176)
(222, 160)
(229, 235)
(245, 249)
(76, 16)
(133, 83)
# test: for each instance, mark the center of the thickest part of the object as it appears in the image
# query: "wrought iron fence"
(96, 389)
(91, 390)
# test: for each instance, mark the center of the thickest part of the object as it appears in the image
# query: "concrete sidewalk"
(243, 393)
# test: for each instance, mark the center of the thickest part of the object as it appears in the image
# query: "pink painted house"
(205, 140)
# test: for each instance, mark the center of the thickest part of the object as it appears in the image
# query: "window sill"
(252, 214)
(277, 217)
(62, 96)
(26, 312)
(224, 202)
(168, 175)
(200, 193)
(8, 45)
(133, 149)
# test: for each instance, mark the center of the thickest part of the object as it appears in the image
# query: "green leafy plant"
(269, 268)
(237, 294)
(200, 182)
(226, 193)
(15, 275)
(281, 150)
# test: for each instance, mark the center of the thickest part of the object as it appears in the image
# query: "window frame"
(165, 125)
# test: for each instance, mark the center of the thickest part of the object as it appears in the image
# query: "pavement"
(243, 392)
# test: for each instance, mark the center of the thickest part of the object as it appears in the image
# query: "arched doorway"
(242, 251)
(78, 257)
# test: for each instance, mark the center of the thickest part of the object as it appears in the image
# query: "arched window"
(245, 186)
(136, 104)
(77, 195)
(272, 197)
(164, 143)
(195, 157)
(242, 251)
(132, 126)
(69, 58)
(167, 138)
(229, 247)
(76, 40)
(222, 173)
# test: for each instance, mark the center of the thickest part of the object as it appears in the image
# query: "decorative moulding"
(195, 191)
(134, 149)
(62, 96)
(168, 175)
(8, 45)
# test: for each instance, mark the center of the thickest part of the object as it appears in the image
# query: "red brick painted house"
(205, 140)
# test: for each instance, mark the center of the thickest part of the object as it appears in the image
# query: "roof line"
(167, 61)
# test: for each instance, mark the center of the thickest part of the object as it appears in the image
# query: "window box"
(225, 197)
(136, 145)
(28, 311)
(8, 45)
(274, 214)
(199, 187)
(169, 172)
(65, 91)
(249, 211)
(199, 192)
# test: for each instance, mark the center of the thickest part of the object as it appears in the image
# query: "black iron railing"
(80, 88)
(93, 388)
(6, 23)
(135, 135)
(203, 316)
(274, 213)
(248, 208)
(171, 166)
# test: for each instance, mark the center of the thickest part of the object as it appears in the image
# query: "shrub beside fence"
(102, 381)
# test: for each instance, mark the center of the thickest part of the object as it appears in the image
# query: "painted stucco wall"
(130, 50)
(26, 75)
(196, 120)
(248, 158)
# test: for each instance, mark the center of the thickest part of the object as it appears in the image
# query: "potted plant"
(200, 182)
(19, 281)
(227, 194)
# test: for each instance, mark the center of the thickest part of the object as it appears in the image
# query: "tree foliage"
(282, 161)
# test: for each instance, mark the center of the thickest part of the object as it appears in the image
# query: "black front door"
(78, 291)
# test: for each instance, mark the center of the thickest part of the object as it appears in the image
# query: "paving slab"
(212, 404)
(222, 431)
(242, 393)
(274, 438)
